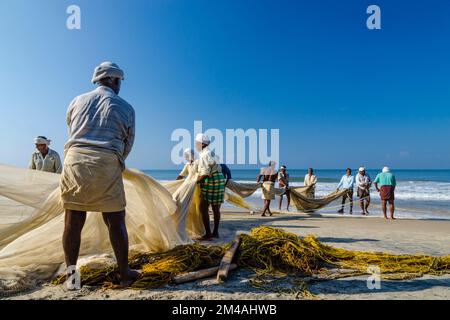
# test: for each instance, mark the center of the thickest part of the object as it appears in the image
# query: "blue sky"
(341, 95)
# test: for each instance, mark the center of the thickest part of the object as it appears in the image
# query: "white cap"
(42, 140)
(202, 138)
(107, 69)
(361, 169)
(386, 169)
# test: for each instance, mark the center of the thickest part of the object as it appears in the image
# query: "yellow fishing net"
(160, 218)
(269, 251)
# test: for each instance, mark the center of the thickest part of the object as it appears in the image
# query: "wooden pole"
(225, 264)
(199, 274)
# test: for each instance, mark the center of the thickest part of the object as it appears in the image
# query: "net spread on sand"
(162, 218)
(269, 251)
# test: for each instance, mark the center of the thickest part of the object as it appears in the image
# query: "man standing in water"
(283, 180)
(385, 184)
(45, 159)
(101, 135)
(363, 184)
(347, 182)
(310, 180)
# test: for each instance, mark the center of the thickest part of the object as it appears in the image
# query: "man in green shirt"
(385, 184)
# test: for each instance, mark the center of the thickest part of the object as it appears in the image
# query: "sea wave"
(405, 190)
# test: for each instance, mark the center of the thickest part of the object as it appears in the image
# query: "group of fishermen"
(101, 135)
(384, 182)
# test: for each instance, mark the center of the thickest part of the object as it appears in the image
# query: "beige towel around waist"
(268, 190)
(91, 180)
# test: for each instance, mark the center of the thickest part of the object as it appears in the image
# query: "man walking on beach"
(268, 176)
(45, 159)
(385, 184)
(101, 135)
(347, 182)
(310, 180)
(283, 180)
(363, 183)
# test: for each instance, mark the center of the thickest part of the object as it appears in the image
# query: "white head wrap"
(42, 140)
(361, 169)
(107, 69)
(386, 169)
(202, 138)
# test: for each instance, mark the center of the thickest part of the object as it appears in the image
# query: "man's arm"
(376, 186)
(32, 165)
(340, 183)
(376, 181)
(204, 170)
(129, 140)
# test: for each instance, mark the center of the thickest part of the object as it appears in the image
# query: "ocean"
(420, 194)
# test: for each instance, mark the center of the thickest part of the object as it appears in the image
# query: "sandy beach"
(431, 237)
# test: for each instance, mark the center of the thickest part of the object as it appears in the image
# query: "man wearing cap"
(212, 185)
(101, 135)
(385, 184)
(45, 159)
(363, 184)
(190, 165)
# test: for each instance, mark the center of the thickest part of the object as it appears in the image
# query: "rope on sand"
(269, 251)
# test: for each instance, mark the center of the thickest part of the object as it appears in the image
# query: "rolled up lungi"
(268, 190)
(213, 188)
(91, 180)
(363, 193)
(387, 193)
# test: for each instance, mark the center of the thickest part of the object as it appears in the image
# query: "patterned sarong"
(213, 188)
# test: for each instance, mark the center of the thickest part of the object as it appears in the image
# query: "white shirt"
(310, 179)
(50, 163)
(363, 182)
(207, 163)
(189, 167)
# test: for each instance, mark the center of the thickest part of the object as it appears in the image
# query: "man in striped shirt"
(101, 135)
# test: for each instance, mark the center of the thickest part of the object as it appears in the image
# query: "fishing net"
(269, 251)
(161, 220)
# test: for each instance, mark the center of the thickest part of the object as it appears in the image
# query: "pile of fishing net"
(268, 251)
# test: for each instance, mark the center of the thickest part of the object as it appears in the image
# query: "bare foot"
(393, 218)
(205, 238)
(133, 275)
